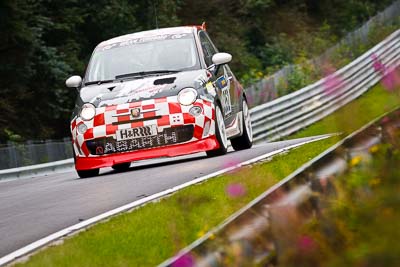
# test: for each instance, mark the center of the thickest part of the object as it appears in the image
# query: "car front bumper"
(178, 132)
(87, 163)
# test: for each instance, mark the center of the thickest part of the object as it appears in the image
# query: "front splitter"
(87, 163)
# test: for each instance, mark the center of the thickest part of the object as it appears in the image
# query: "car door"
(224, 80)
(234, 89)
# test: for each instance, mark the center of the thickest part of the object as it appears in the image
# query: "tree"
(45, 41)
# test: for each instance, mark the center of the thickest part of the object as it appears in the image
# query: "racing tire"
(220, 133)
(245, 141)
(88, 173)
(121, 167)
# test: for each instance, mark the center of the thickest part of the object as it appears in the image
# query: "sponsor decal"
(144, 40)
(178, 36)
(221, 82)
(99, 150)
(201, 79)
(226, 100)
(143, 90)
(145, 131)
(107, 47)
(135, 112)
(223, 85)
(168, 136)
(211, 89)
(141, 142)
(146, 91)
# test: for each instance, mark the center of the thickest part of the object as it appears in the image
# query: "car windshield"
(157, 54)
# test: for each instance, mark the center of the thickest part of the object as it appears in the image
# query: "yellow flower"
(355, 161)
(201, 233)
(374, 149)
(375, 182)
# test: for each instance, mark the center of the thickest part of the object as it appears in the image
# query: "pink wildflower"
(391, 79)
(378, 65)
(231, 163)
(235, 190)
(385, 119)
(250, 99)
(185, 260)
(263, 95)
(333, 84)
(306, 244)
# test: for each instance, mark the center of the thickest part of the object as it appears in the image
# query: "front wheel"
(88, 173)
(220, 133)
(244, 141)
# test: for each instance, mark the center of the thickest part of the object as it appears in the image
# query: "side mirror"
(73, 81)
(221, 58)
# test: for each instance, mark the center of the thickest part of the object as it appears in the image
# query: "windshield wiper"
(144, 73)
(99, 82)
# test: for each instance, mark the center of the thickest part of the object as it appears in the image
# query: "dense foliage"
(45, 41)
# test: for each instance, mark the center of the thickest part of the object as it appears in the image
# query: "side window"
(221, 71)
(208, 48)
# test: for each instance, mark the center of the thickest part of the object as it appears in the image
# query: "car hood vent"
(168, 80)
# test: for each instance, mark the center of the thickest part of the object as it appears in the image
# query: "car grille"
(169, 136)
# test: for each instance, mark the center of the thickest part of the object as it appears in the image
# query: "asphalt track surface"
(33, 208)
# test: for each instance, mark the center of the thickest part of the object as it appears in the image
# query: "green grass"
(155, 232)
(151, 234)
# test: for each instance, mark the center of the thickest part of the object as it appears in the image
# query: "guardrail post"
(13, 159)
(51, 155)
(31, 155)
(67, 147)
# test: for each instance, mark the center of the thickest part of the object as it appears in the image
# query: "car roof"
(149, 34)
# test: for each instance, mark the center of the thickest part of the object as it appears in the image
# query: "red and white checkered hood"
(169, 112)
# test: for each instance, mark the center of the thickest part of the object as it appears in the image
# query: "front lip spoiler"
(87, 163)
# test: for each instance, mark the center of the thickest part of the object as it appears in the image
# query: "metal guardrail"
(254, 235)
(15, 154)
(38, 169)
(270, 87)
(297, 110)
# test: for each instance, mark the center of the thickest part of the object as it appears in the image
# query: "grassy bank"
(157, 231)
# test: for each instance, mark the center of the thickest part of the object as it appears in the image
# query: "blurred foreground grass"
(155, 232)
(359, 223)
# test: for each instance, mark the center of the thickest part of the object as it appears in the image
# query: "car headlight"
(88, 111)
(187, 96)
